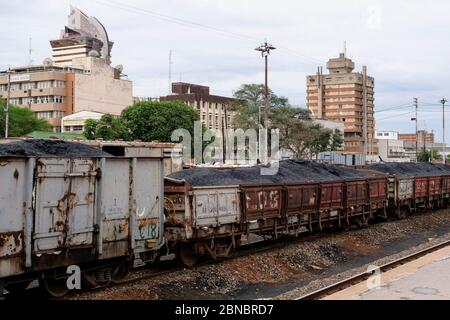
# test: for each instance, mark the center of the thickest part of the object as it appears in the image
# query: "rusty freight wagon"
(67, 204)
(209, 210)
(415, 185)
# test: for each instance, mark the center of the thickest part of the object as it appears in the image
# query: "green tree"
(109, 127)
(90, 129)
(298, 133)
(21, 121)
(428, 155)
(155, 121)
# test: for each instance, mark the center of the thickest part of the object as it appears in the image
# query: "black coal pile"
(411, 169)
(49, 148)
(289, 172)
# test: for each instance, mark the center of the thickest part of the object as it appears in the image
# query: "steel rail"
(351, 281)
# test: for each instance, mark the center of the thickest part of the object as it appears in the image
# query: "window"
(44, 84)
(386, 134)
(59, 99)
(44, 114)
(15, 87)
(3, 87)
(58, 114)
(59, 84)
(15, 101)
(27, 100)
(379, 134)
(77, 128)
(28, 86)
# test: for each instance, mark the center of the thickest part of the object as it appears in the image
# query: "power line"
(192, 24)
(404, 105)
(397, 115)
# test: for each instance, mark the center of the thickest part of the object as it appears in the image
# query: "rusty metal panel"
(421, 187)
(64, 205)
(301, 198)
(262, 202)
(15, 199)
(216, 206)
(378, 189)
(148, 202)
(113, 203)
(357, 193)
(405, 188)
(331, 196)
(446, 184)
(130, 205)
(435, 186)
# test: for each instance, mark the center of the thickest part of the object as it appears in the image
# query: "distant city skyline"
(213, 43)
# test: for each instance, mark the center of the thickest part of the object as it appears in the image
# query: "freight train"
(106, 212)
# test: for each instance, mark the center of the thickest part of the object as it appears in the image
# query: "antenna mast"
(30, 51)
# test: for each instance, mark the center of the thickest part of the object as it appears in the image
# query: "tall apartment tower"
(345, 96)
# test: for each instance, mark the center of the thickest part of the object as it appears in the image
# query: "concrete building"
(348, 97)
(391, 149)
(74, 123)
(55, 90)
(424, 137)
(387, 135)
(213, 110)
(82, 35)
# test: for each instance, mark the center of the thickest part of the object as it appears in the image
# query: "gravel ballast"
(292, 270)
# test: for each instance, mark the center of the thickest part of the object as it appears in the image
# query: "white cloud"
(402, 42)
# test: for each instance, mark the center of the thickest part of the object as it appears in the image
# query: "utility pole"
(443, 101)
(416, 105)
(265, 51)
(7, 105)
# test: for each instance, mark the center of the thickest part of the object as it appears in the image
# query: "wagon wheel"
(401, 213)
(120, 272)
(17, 288)
(169, 206)
(53, 287)
(186, 255)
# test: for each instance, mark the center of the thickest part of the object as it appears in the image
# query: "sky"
(404, 44)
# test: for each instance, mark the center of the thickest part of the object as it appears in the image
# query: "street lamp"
(265, 51)
(443, 101)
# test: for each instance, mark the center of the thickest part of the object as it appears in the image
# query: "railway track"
(351, 281)
(170, 266)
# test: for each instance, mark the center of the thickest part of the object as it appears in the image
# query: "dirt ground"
(292, 270)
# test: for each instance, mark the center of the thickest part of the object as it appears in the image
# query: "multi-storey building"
(348, 97)
(423, 137)
(76, 81)
(53, 92)
(213, 110)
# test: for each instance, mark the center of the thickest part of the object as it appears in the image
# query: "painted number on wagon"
(149, 231)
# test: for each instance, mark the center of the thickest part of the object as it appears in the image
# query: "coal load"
(289, 172)
(411, 169)
(49, 148)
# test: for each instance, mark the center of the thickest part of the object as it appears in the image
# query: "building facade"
(76, 81)
(213, 110)
(423, 137)
(75, 122)
(345, 96)
(53, 92)
(82, 35)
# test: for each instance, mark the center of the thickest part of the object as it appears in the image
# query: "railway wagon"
(99, 213)
(209, 210)
(415, 185)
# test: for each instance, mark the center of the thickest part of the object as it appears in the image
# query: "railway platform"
(427, 278)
